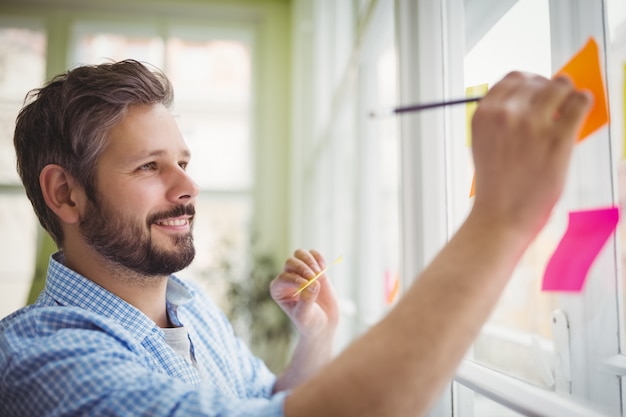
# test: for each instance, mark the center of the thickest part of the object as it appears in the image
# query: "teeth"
(174, 222)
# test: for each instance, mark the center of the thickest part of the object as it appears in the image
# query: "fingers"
(548, 99)
(319, 259)
(284, 287)
(294, 280)
(563, 104)
(303, 268)
(544, 98)
(573, 110)
(305, 263)
(527, 106)
(514, 86)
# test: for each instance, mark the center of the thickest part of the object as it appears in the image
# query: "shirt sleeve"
(77, 367)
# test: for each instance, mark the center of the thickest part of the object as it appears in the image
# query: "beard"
(126, 242)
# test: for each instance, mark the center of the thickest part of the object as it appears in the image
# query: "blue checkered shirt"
(80, 350)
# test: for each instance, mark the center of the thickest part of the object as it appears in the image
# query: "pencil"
(424, 106)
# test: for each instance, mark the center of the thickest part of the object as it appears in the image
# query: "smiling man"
(116, 333)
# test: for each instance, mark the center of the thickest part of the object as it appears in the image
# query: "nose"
(183, 188)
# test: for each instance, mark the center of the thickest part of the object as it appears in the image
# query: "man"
(115, 333)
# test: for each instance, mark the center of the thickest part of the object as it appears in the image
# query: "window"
(22, 67)
(552, 340)
(346, 169)
(379, 282)
(543, 348)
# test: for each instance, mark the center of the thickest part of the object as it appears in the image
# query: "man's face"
(142, 216)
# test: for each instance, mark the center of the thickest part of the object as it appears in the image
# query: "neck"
(146, 293)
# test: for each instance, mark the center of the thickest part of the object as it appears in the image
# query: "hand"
(523, 133)
(314, 311)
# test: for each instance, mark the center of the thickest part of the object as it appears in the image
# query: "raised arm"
(523, 134)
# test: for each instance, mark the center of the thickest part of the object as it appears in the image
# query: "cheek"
(130, 197)
(127, 202)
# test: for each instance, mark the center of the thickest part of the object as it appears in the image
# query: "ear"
(61, 192)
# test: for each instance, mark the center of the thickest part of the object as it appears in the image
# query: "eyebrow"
(153, 154)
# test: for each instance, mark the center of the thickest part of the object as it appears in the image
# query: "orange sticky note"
(585, 72)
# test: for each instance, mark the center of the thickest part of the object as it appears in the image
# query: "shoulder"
(36, 330)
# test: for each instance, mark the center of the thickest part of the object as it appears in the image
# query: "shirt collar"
(69, 288)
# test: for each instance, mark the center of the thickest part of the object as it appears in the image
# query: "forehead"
(145, 130)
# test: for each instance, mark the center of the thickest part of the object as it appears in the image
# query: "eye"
(148, 167)
(183, 165)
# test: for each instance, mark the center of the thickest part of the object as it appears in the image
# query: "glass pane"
(22, 67)
(18, 228)
(379, 241)
(94, 44)
(617, 97)
(22, 63)
(389, 154)
(222, 241)
(221, 150)
(211, 79)
(216, 72)
(520, 326)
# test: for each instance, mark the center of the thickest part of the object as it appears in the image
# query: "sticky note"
(586, 234)
(470, 108)
(585, 72)
(624, 107)
(392, 286)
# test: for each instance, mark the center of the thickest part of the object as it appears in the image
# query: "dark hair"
(66, 122)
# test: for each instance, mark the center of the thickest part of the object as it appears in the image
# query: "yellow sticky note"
(470, 108)
(472, 91)
(624, 118)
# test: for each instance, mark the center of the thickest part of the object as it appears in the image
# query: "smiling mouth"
(174, 222)
(179, 218)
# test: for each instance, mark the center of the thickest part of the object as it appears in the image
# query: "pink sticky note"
(586, 234)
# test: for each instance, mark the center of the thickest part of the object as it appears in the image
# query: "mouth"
(178, 222)
(178, 219)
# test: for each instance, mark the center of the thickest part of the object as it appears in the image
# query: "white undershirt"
(178, 339)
